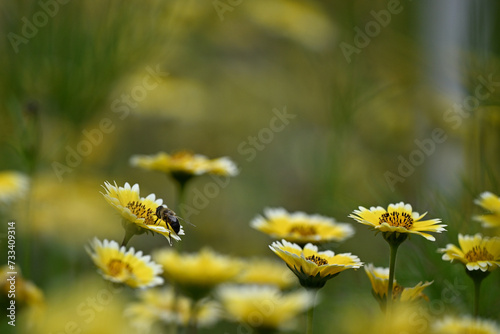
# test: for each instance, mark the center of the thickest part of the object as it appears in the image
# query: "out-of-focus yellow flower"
(265, 271)
(26, 292)
(465, 325)
(163, 306)
(312, 267)
(118, 265)
(69, 212)
(299, 21)
(475, 252)
(491, 203)
(405, 318)
(264, 307)
(398, 218)
(13, 185)
(87, 305)
(301, 228)
(197, 273)
(139, 211)
(379, 278)
(185, 163)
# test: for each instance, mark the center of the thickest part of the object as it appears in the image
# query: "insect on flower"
(169, 217)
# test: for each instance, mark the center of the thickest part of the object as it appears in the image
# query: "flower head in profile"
(301, 228)
(197, 273)
(266, 272)
(138, 210)
(491, 203)
(398, 218)
(475, 252)
(183, 165)
(465, 325)
(162, 306)
(264, 307)
(379, 278)
(13, 186)
(312, 267)
(118, 265)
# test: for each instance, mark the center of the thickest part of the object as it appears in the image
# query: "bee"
(169, 217)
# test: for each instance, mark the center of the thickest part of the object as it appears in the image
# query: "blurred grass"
(225, 77)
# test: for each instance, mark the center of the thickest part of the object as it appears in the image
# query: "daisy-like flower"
(398, 218)
(264, 308)
(184, 164)
(312, 267)
(475, 252)
(479, 254)
(118, 265)
(13, 186)
(161, 305)
(379, 278)
(197, 273)
(266, 272)
(465, 325)
(301, 228)
(139, 211)
(491, 203)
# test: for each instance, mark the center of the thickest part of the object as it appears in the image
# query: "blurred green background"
(366, 82)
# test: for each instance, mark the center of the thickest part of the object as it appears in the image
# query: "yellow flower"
(491, 203)
(86, 306)
(139, 211)
(265, 271)
(197, 273)
(118, 265)
(264, 307)
(301, 228)
(185, 162)
(399, 218)
(13, 185)
(379, 278)
(163, 306)
(465, 325)
(26, 292)
(312, 267)
(475, 252)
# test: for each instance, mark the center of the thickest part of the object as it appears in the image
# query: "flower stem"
(310, 312)
(129, 233)
(477, 277)
(392, 268)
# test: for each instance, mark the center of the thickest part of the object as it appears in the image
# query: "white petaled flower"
(118, 265)
(139, 210)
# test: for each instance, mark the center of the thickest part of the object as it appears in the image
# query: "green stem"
(129, 233)
(392, 269)
(477, 277)
(477, 289)
(310, 313)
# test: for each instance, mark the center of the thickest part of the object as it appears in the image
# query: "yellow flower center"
(116, 267)
(397, 219)
(318, 260)
(478, 254)
(141, 211)
(397, 290)
(303, 230)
